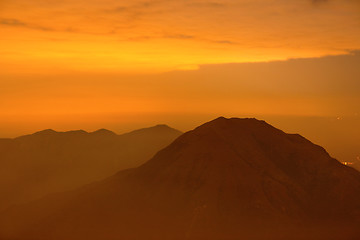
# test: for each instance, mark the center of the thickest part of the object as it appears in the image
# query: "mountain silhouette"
(227, 179)
(356, 164)
(48, 161)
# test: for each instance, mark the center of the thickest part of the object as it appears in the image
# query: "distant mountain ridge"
(226, 179)
(51, 132)
(49, 161)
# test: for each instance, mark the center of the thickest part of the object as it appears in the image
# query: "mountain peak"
(242, 126)
(48, 132)
(103, 132)
(42, 133)
(75, 132)
(45, 132)
(161, 126)
(222, 119)
(157, 128)
(52, 133)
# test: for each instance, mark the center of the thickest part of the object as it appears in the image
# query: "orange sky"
(125, 64)
(157, 35)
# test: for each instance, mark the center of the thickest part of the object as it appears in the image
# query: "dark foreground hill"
(34, 165)
(227, 179)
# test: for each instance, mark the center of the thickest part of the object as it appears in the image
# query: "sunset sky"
(126, 64)
(48, 36)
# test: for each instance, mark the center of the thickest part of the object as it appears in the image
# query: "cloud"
(134, 8)
(207, 4)
(17, 23)
(12, 22)
(224, 42)
(178, 36)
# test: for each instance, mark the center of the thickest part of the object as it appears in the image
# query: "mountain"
(356, 164)
(49, 161)
(227, 179)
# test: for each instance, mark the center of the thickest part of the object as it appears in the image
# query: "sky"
(161, 35)
(122, 65)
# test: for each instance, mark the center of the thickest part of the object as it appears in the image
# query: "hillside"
(48, 161)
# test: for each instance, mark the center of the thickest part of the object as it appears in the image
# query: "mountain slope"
(49, 161)
(227, 179)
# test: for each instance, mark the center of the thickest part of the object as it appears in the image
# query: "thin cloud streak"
(18, 23)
